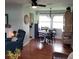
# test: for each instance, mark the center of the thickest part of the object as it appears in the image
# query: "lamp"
(34, 7)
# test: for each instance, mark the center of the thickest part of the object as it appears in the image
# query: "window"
(44, 21)
(58, 22)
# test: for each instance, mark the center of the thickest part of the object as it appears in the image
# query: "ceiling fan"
(34, 3)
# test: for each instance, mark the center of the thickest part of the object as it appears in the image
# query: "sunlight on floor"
(58, 47)
(40, 45)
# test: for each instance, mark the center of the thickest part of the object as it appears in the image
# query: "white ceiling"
(56, 4)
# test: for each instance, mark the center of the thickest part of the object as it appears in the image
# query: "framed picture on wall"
(26, 19)
(31, 19)
(6, 18)
(7, 25)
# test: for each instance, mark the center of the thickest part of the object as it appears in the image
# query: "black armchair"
(11, 46)
(20, 37)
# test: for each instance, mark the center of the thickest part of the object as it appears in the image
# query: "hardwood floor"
(36, 50)
(59, 47)
(61, 51)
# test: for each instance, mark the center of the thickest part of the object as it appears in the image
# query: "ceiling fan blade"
(41, 5)
(33, 1)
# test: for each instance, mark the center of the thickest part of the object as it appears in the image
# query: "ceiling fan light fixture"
(34, 7)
